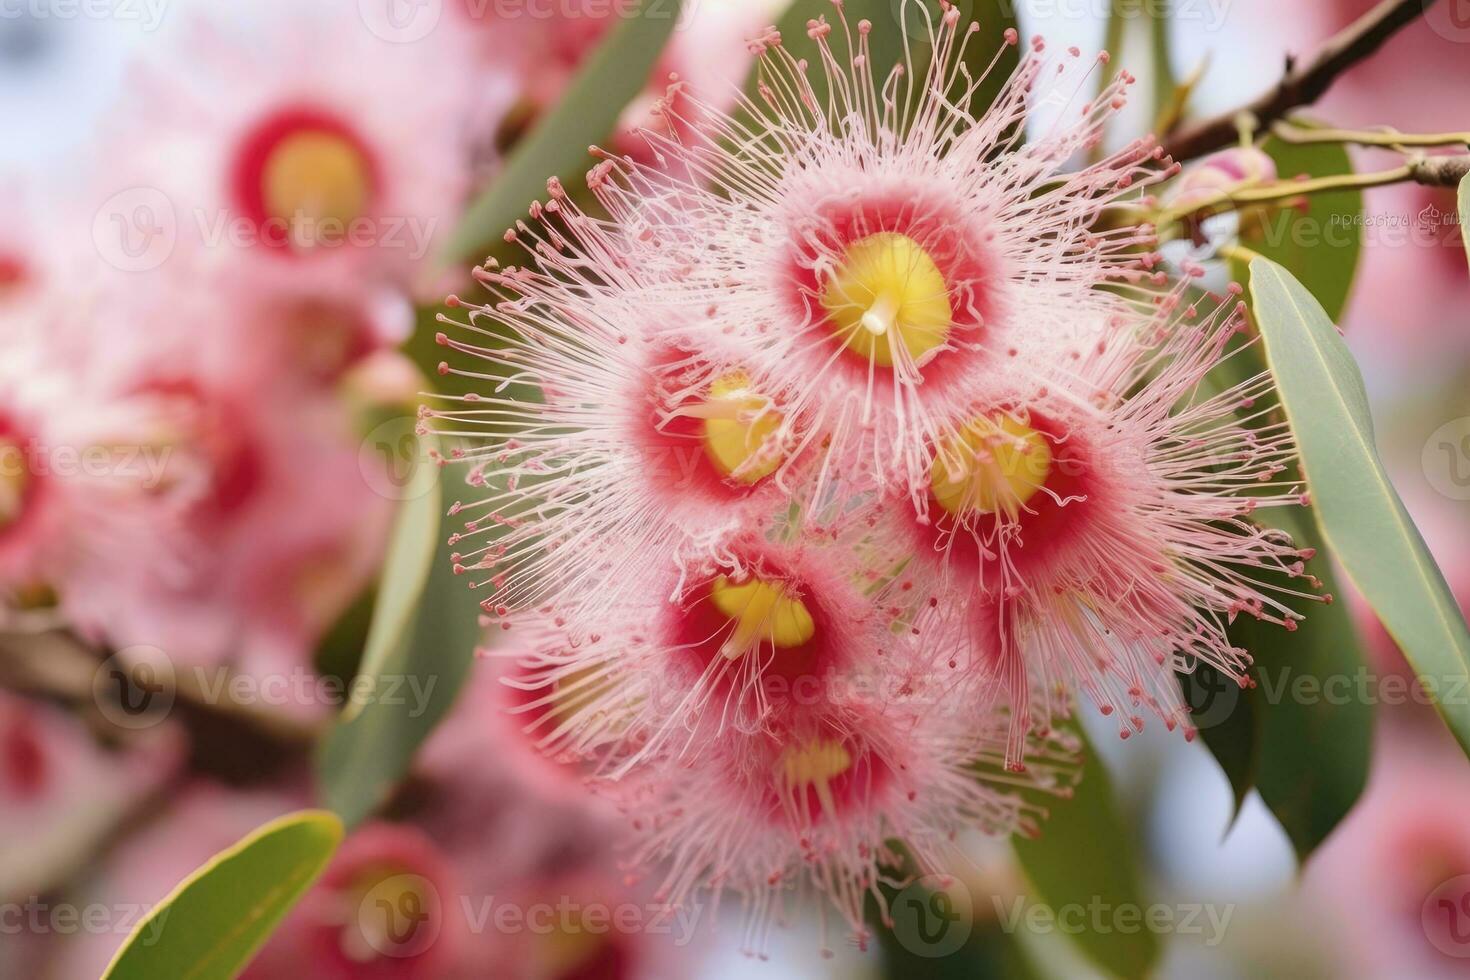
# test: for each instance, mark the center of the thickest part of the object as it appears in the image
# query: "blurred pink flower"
(289, 133)
(544, 47)
(285, 522)
(1379, 879)
(81, 472)
(389, 906)
(62, 791)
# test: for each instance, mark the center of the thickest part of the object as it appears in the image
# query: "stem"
(1286, 191)
(1439, 171)
(1302, 85)
(1289, 133)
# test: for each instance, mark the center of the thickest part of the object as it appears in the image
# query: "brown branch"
(234, 742)
(1439, 171)
(1301, 85)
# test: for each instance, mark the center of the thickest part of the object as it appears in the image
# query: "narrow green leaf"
(417, 673)
(1315, 735)
(1307, 752)
(210, 926)
(410, 560)
(1464, 197)
(1229, 723)
(557, 145)
(1084, 858)
(1359, 513)
(1321, 245)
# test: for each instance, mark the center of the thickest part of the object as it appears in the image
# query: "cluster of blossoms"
(199, 332)
(854, 439)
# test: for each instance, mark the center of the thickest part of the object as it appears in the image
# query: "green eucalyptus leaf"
(1229, 722)
(1315, 734)
(1084, 858)
(421, 648)
(412, 548)
(1358, 511)
(1306, 752)
(210, 926)
(1320, 245)
(557, 145)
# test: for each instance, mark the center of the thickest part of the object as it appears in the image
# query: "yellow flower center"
(762, 612)
(888, 301)
(15, 480)
(316, 176)
(738, 426)
(813, 765)
(993, 465)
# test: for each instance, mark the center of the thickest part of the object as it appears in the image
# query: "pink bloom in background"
(282, 522)
(25, 264)
(388, 906)
(62, 791)
(82, 472)
(543, 48)
(287, 134)
(492, 785)
(1392, 882)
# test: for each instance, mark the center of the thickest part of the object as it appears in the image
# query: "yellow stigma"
(738, 426)
(888, 292)
(993, 465)
(316, 176)
(763, 612)
(15, 479)
(814, 764)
